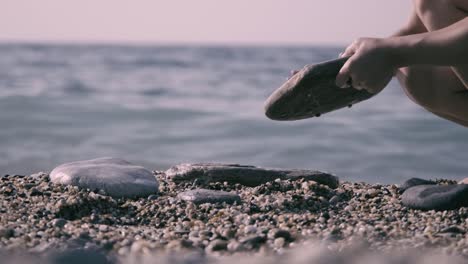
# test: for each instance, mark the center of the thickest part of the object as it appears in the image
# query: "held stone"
(312, 92)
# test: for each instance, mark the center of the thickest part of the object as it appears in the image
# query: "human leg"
(441, 90)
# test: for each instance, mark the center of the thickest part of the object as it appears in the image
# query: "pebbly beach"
(255, 213)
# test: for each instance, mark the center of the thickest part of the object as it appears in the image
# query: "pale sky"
(200, 21)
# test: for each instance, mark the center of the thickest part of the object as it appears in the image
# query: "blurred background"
(164, 82)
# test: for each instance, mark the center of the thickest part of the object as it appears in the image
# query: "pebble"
(139, 246)
(34, 192)
(200, 196)
(103, 228)
(279, 242)
(234, 246)
(116, 177)
(335, 199)
(453, 229)
(59, 222)
(253, 242)
(217, 245)
(6, 233)
(283, 234)
(270, 214)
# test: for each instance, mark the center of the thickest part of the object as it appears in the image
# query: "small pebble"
(59, 222)
(279, 242)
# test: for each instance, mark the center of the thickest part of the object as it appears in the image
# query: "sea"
(161, 105)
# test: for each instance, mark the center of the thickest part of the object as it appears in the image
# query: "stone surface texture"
(415, 182)
(244, 174)
(436, 197)
(200, 196)
(116, 177)
(312, 92)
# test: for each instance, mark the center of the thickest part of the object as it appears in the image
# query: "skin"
(429, 56)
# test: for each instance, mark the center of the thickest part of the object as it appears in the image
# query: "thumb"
(343, 77)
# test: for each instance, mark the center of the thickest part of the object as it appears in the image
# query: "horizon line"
(167, 43)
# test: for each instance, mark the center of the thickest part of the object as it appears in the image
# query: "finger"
(349, 51)
(358, 86)
(374, 88)
(343, 76)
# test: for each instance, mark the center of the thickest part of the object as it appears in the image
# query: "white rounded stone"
(116, 177)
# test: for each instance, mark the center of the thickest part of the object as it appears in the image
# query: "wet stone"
(244, 174)
(115, 177)
(200, 196)
(436, 197)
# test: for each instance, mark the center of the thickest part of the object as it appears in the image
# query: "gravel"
(41, 218)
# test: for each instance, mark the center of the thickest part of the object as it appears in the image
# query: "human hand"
(370, 66)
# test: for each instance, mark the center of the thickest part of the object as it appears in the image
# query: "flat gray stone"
(116, 177)
(436, 197)
(244, 174)
(312, 92)
(415, 182)
(200, 196)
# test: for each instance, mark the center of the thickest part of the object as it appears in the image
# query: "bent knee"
(418, 84)
(424, 6)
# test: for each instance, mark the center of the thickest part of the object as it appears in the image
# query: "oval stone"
(116, 177)
(312, 92)
(415, 182)
(436, 197)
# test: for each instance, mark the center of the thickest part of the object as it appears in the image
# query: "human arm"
(445, 47)
(374, 61)
(413, 26)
